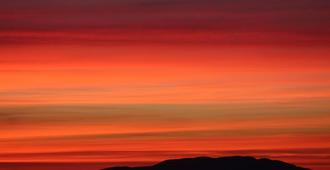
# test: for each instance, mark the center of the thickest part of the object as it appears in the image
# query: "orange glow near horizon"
(238, 98)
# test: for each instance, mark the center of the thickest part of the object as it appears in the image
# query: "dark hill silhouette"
(224, 163)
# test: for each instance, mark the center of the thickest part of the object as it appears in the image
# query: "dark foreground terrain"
(224, 163)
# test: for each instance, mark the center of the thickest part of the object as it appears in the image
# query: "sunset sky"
(130, 82)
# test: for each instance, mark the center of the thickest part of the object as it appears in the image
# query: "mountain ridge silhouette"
(222, 163)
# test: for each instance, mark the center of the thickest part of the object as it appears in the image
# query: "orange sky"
(191, 100)
(143, 83)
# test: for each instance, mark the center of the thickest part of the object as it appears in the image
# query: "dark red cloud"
(178, 21)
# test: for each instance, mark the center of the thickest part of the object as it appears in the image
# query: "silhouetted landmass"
(224, 163)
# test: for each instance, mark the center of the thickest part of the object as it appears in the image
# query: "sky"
(95, 83)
